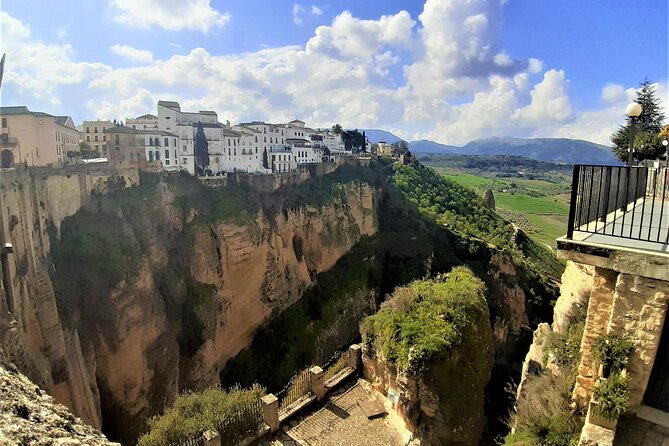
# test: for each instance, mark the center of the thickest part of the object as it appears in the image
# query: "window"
(175, 142)
(175, 154)
(256, 136)
(150, 156)
(97, 147)
(88, 129)
(117, 139)
(167, 142)
(95, 129)
(4, 123)
(96, 138)
(167, 117)
(185, 161)
(88, 138)
(157, 155)
(167, 162)
(104, 137)
(184, 148)
(167, 153)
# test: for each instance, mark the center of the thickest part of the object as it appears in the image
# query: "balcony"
(618, 208)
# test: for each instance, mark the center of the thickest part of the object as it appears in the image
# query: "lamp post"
(665, 143)
(633, 110)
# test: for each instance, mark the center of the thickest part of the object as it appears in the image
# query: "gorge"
(117, 298)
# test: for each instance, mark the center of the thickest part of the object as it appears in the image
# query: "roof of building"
(170, 104)
(208, 112)
(296, 120)
(148, 115)
(244, 128)
(126, 129)
(21, 110)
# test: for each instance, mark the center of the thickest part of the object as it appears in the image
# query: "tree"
(265, 159)
(489, 199)
(648, 125)
(201, 151)
(336, 129)
(364, 142)
(87, 152)
(353, 140)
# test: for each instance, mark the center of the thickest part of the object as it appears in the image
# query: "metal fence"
(298, 387)
(241, 424)
(193, 441)
(627, 202)
(336, 364)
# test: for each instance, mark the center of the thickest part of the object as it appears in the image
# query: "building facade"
(93, 134)
(35, 138)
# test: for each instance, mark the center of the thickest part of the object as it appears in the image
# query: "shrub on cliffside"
(194, 413)
(437, 335)
(425, 317)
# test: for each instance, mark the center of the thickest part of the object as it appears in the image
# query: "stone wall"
(629, 296)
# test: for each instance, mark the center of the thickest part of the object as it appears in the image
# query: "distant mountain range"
(557, 150)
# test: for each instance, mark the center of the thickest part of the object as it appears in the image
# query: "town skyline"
(442, 70)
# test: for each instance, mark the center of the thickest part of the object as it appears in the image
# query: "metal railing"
(335, 365)
(242, 423)
(297, 388)
(626, 202)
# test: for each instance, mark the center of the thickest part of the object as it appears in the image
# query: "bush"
(425, 317)
(612, 352)
(194, 413)
(613, 396)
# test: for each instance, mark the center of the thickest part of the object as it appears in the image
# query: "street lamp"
(665, 143)
(633, 110)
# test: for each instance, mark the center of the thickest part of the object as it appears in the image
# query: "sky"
(447, 70)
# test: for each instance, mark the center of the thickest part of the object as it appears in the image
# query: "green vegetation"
(612, 396)
(543, 415)
(452, 206)
(612, 352)
(194, 314)
(194, 413)
(425, 318)
(536, 206)
(647, 142)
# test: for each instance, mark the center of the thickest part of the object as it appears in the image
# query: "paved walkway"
(633, 431)
(341, 422)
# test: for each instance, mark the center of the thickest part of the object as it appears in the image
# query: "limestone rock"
(30, 417)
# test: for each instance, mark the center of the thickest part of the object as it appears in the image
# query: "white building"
(144, 122)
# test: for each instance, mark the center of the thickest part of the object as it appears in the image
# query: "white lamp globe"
(633, 109)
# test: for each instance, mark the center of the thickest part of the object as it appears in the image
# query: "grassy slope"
(546, 209)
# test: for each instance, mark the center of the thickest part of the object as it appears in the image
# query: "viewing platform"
(618, 208)
(618, 231)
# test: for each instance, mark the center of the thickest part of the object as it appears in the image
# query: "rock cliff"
(28, 415)
(142, 293)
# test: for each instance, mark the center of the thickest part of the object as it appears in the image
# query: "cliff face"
(152, 294)
(29, 416)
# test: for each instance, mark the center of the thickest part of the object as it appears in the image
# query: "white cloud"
(315, 10)
(195, 15)
(448, 79)
(131, 53)
(37, 70)
(298, 10)
(61, 33)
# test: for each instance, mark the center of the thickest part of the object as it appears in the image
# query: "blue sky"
(446, 70)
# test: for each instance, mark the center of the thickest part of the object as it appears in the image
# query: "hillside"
(556, 150)
(376, 135)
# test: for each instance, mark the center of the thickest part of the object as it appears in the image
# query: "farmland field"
(537, 206)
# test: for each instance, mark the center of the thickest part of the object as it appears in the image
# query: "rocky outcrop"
(120, 348)
(444, 402)
(29, 416)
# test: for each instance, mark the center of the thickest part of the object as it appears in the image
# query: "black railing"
(297, 388)
(241, 424)
(627, 202)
